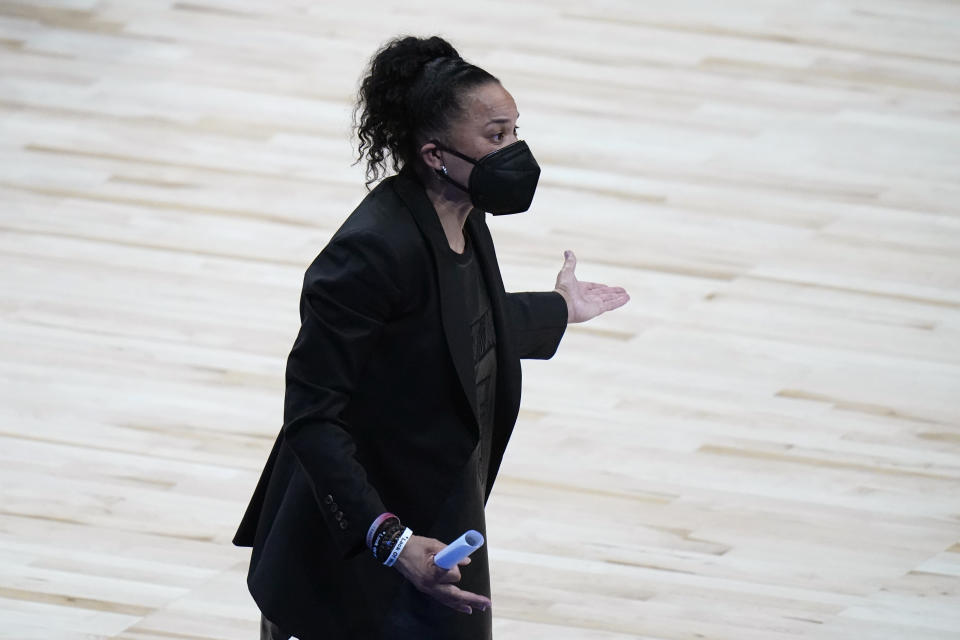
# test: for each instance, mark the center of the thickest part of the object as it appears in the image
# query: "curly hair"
(413, 89)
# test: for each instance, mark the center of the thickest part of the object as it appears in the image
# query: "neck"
(452, 206)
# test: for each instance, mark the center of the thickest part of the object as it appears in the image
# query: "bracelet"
(398, 547)
(386, 537)
(372, 531)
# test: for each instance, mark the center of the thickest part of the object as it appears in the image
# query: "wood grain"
(763, 444)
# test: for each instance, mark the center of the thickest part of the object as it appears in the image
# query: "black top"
(484, 339)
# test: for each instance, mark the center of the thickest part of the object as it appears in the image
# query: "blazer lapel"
(455, 324)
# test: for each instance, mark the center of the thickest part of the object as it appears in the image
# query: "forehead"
(487, 103)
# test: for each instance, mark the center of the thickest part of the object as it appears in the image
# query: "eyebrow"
(499, 120)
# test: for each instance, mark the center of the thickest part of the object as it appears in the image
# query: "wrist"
(566, 299)
(406, 560)
(377, 525)
(383, 535)
(397, 547)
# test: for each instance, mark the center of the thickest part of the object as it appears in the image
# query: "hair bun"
(401, 59)
(418, 51)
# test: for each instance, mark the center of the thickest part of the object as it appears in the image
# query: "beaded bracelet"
(398, 547)
(386, 537)
(381, 519)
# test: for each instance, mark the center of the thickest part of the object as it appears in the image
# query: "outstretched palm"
(586, 300)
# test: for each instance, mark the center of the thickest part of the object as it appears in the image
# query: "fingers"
(450, 576)
(566, 277)
(610, 305)
(437, 582)
(461, 600)
(591, 286)
(615, 299)
(605, 294)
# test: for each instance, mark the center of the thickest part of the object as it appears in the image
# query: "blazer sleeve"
(349, 293)
(538, 320)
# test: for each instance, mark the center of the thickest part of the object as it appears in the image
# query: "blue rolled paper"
(459, 549)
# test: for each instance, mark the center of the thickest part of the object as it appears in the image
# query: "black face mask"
(502, 181)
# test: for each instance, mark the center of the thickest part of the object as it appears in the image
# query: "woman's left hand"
(586, 300)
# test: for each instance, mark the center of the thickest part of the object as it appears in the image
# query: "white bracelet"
(397, 548)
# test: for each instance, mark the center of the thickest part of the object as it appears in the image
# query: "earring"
(443, 168)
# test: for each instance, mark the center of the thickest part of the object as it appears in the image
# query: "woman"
(403, 384)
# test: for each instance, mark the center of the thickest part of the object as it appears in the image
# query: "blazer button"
(343, 524)
(339, 515)
(328, 500)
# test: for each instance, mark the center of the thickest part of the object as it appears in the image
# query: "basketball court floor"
(763, 444)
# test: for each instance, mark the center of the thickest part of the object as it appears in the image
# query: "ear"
(430, 154)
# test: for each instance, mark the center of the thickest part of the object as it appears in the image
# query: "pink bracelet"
(383, 517)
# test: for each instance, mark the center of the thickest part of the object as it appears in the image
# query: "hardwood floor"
(762, 445)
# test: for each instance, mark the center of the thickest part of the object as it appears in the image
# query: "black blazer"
(380, 408)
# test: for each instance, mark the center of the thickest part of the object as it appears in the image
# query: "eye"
(498, 137)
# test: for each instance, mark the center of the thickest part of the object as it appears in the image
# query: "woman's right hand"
(416, 564)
